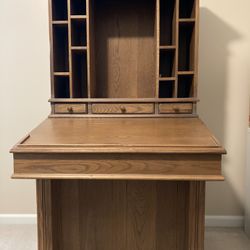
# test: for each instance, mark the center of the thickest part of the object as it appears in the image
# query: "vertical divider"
(196, 48)
(177, 8)
(88, 47)
(51, 51)
(157, 47)
(70, 51)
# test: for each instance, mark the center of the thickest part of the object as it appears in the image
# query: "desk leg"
(44, 214)
(120, 215)
(196, 215)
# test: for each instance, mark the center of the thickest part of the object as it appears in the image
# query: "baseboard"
(211, 221)
(17, 219)
(224, 221)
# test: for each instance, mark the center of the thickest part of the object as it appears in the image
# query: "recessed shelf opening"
(61, 87)
(166, 89)
(59, 10)
(78, 32)
(185, 86)
(79, 74)
(167, 22)
(78, 7)
(60, 48)
(124, 53)
(167, 63)
(187, 8)
(186, 46)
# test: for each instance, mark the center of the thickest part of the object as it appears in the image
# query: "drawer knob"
(70, 109)
(123, 109)
(176, 109)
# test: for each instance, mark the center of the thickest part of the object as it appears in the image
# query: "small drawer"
(70, 108)
(123, 108)
(176, 108)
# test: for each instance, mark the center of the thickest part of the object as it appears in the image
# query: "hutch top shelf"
(124, 57)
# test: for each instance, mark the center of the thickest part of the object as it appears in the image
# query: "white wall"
(24, 79)
(224, 93)
(247, 196)
(223, 90)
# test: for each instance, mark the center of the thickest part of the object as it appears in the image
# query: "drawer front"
(70, 108)
(123, 108)
(175, 108)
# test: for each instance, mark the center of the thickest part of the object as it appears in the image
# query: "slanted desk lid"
(139, 135)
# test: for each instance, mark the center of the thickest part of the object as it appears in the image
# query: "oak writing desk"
(130, 183)
(121, 162)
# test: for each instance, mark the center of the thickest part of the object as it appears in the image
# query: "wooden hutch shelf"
(121, 162)
(94, 41)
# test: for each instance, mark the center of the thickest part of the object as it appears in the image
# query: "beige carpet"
(21, 237)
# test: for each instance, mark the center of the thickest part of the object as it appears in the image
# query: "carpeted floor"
(20, 237)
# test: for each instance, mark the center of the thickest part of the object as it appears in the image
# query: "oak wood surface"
(122, 108)
(115, 166)
(182, 108)
(140, 181)
(121, 135)
(150, 148)
(124, 215)
(196, 215)
(125, 48)
(44, 215)
(128, 43)
(70, 108)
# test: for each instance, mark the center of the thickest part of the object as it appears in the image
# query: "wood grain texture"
(122, 108)
(183, 108)
(116, 166)
(122, 67)
(70, 108)
(196, 216)
(121, 135)
(124, 215)
(124, 40)
(44, 215)
(117, 193)
(175, 108)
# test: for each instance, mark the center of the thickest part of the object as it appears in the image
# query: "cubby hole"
(187, 9)
(167, 22)
(60, 48)
(185, 86)
(166, 89)
(59, 10)
(124, 50)
(79, 74)
(61, 87)
(78, 32)
(167, 63)
(78, 7)
(186, 46)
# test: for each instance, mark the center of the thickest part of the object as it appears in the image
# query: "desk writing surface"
(119, 148)
(142, 134)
